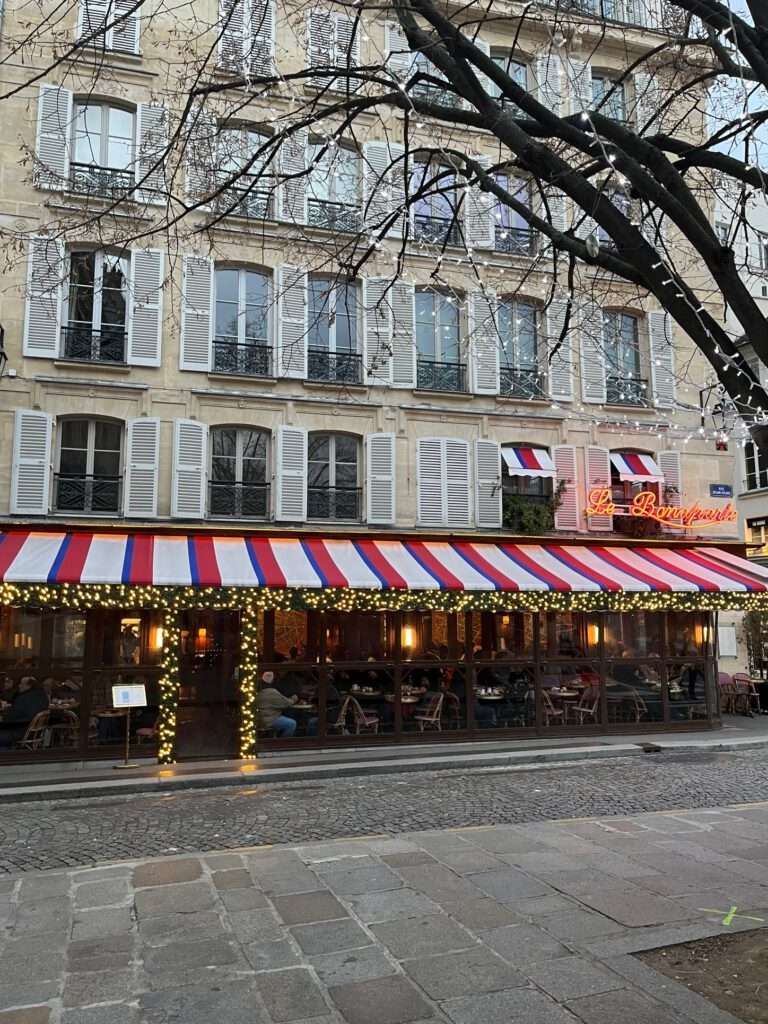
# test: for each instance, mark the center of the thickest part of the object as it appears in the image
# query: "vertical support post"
(169, 689)
(249, 670)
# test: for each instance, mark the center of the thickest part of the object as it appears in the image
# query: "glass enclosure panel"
(208, 714)
(571, 694)
(633, 634)
(635, 691)
(504, 695)
(687, 690)
(569, 634)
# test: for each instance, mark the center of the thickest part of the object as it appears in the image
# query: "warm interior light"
(593, 633)
(201, 638)
(408, 636)
(159, 638)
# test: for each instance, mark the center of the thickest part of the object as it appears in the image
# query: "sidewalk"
(99, 778)
(526, 924)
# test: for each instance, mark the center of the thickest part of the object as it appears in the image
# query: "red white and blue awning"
(528, 462)
(362, 564)
(637, 468)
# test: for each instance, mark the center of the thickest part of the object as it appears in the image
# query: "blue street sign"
(720, 491)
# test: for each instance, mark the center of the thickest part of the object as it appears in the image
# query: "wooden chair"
(550, 711)
(64, 730)
(38, 733)
(340, 725)
(727, 693)
(431, 716)
(588, 706)
(747, 699)
(363, 721)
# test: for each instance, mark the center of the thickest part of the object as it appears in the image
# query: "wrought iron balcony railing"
(522, 382)
(105, 182)
(627, 391)
(436, 230)
(516, 241)
(83, 343)
(436, 376)
(336, 503)
(333, 216)
(254, 360)
(238, 501)
(100, 495)
(255, 203)
(334, 367)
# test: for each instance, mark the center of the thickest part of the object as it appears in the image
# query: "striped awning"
(640, 468)
(257, 561)
(528, 462)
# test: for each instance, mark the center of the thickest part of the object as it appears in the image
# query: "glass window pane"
(223, 470)
(254, 471)
(74, 434)
(256, 288)
(88, 134)
(120, 123)
(119, 153)
(226, 285)
(224, 441)
(254, 444)
(106, 463)
(346, 475)
(82, 268)
(346, 448)
(73, 462)
(108, 436)
(226, 319)
(256, 323)
(318, 475)
(318, 447)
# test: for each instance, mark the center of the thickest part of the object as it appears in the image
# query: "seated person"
(270, 705)
(29, 701)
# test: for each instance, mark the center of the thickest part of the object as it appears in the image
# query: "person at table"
(29, 701)
(271, 704)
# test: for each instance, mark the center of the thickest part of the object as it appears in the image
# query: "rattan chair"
(362, 721)
(550, 711)
(38, 734)
(431, 716)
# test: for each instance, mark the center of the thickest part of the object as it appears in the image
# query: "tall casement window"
(513, 233)
(623, 203)
(435, 208)
(438, 342)
(253, 191)
(515, 68)
(241, 341)
(96, 306)
(89, 466)
(104, 149)
(521, 376)
(334, 490)
(239, 483)
(334, 199)
(609, 96)
(621, 343)
(756, 467)
(333, 355)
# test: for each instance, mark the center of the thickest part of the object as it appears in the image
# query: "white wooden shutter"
(54, 126)
(200, 161)
(292, 194)
(145, 315)
(593, 381)
(672, 494)
(380, 479)
(580, 86)
(662, 359)
(399, 58)
(403, 334)
(488, 484)
(142, 457)
(567, 515)
(42, 321)
(291, 475)
(320, 47)
(384, 175)
(378, 330)
(292, 322)
(648, 99)
(260, 40)
(458, 485)
(124, 36)
(152, 138)
(559, 354)
(599, 476)
(190, 469)
(346, 49)
(485, 83)
(196, 316)
(556, 208)
(430, 481)
(479, 209)
(31, 467)
(483, 344)
(92, 16)
(232, 35)
(549, 77)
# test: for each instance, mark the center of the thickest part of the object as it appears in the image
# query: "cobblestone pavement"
(507, 924)
(64, 833)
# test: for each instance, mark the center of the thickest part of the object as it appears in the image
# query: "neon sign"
(644, 506)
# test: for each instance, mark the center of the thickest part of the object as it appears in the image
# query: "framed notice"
(133, 696)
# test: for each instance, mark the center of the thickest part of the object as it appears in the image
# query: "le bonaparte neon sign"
(645, 506)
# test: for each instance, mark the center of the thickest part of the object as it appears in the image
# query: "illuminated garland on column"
(249, 625)
(169, 690)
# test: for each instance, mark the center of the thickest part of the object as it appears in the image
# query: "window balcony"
(627, 391)
(334, 367)
(254, 204)
(436, 230)
(99, 495)
(515, 241)
(343, 504)
(85, 345)
(101, 182)
(238, 500)
(428, 92)
(522, 382)
(333, 216)
(254, 360)
(435, 376)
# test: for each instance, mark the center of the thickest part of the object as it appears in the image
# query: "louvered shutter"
(430, 481)
(383, 185)
(42, 321)
(378, 330)
(200, 157)
(669, 464)
(580, 86)
(152, 146)
(31, 466)
(346, 49)
(196, 317)
(485, 83)
(559, 354)
(478, 215)
(142, 457)
(403, 334)
(484, 344)
(291, 475)
(320, 48)
(556, 209)
(662, 359)
(458, 485)
(292, 325)
(124, 34)
(593, 381)
(190, 458)
(261, 38)
(292, 194)
(232, 35)
(54, 125)
(550, 81)
(647, 103)
(399, 58)
(599, 477)
(380, 479)
(92, 16)
(567, 514)
(654, 13)
(145, 315)
(487, 484)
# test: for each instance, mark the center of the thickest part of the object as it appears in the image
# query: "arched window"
(435, 208)
(438, 342)
(238, 485)
(238, 150)
(242, 339)
(103, 151)
(96, 307)
(334, 187)
(333, 478)
(333, 354)
(521, 376)
(621, 346)
(88, 466)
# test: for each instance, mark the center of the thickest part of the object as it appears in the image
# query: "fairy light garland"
(249, 656)
(169, 690)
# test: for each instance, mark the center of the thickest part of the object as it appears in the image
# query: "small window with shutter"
(245, 157)
(96, 307)
(89, 466)
(103, 150)
(334, 184)
(443, 482)
(512, 232)
(333, 478)
(522, 363)
(238, 485)
(110, 25)
(333, 43)
(436, 214)
(440, 363)
(623, 357)
(246, 40)
(527, 486)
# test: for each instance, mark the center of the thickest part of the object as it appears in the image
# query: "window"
(609, 96)
(431, 91)
(513, 233)
(89, 466)
(515, 69)
(334, 187)
(103, 150)
(252, 194)
(518, 336)
(756, 465)
(97, 302)
(527, 505)
(242, 326)
(238, 485)
(438, 342)
(624, 385)
(333, 310)
(435, 206)
(623, 204)
(721, 230)
(333, 490)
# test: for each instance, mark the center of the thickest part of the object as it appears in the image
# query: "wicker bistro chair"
(727, 692)
(362, 721)
(38, 734)
(746, 697)
(64, 728)
(588, 707)
(550, 711)
(431, 716)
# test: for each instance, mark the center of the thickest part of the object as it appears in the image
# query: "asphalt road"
(66, 833)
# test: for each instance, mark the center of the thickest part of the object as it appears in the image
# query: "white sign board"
(134, 696)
